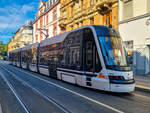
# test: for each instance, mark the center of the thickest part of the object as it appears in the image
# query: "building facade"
(46, 20)
(10, 46)
(77, 13)
(22, 37)
(26, 34)
(134, 27)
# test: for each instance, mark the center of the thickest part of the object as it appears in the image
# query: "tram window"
(34, 55)
(98, 66)
(74, 56)
(23, 56)
(92, 62)
(51, 52)
(89, 54)
(72, 53)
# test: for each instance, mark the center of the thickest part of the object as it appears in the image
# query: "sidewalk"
(142, 82)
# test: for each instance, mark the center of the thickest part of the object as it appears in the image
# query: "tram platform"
(142, 83)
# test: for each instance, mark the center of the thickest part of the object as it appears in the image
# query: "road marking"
(142, 96)
(143, 87)
(1, 109)
(12, 89)
(37, 91)
(97, 102)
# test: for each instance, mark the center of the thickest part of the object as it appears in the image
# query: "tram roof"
(61, 37)
(54, 40)
(27, 47)
(16, 50)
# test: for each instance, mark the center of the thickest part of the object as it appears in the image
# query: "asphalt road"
(22, 91)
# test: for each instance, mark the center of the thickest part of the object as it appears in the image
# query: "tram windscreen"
(112, 48)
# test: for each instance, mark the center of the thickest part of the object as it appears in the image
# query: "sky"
(14, 14)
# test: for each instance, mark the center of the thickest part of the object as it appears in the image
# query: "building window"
(148, 6)
(41, 22)
(107, 18)
(92, 21)
(82, 4)
(72, 10)
(64, 14)
(36, 38)
(91, 2)
(127, 9)
(55, 31)
(77, 4)
(47, 19)
(41, 38)
(55, 15)
(36, 25)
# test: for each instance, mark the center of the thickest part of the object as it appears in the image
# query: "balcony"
(62, 22)
(104, 6)
(62, 18)
(78, 13)
(62, 4)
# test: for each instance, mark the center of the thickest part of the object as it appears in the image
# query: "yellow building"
(10, 47)
(14, 42)
(77, 13)
(22, 37)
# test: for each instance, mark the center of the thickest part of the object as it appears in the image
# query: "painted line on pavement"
(14, 92)
(142, 96)
(97, 102)
(37, 91)
(143, 87)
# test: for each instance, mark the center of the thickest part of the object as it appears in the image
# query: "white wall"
(140, 7)
(136, 30)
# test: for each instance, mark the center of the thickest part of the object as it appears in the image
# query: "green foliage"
(3, 49)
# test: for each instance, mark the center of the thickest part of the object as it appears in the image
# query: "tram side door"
(91, 61)
(88, 56)
(52, 67)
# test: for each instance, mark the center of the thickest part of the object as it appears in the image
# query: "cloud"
(16, 16)
(13, 15)
(27, 8)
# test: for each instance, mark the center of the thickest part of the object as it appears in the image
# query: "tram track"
(129, 97)
(14, 92)
(71, 91)
(64, 110)
(135, 93)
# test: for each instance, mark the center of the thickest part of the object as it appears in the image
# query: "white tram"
(90, 56)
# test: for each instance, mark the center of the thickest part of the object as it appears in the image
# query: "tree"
(3, 49)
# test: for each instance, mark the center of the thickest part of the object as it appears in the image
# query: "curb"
(142, 88)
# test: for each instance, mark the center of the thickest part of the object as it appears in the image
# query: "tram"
(91, 56)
